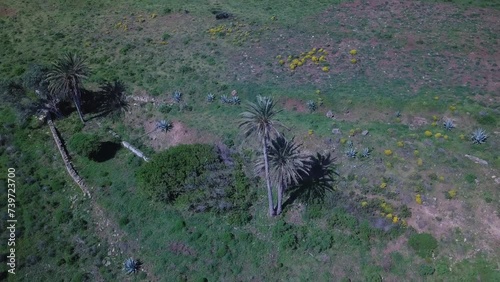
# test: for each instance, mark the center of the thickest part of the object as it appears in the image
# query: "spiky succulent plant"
(210, 97)
(177, 96)
(398, 114)
(131, 265)
(163, 125)
(365, 153)
(479, 136)
(351, 152)
(350, 143)
(311, 105)
(236, 100)
(225, 100)
(448, 124)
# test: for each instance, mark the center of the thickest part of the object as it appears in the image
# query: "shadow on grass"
(110, 99)
(316, 183)
(106, 152)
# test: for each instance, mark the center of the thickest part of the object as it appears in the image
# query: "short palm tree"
(287, 165)
(65, 79)
(260, 119)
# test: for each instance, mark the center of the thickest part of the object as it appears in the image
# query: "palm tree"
(65, 78)
(287, 165)
(259, 119)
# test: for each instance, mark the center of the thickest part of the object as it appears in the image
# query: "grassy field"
(416, 65)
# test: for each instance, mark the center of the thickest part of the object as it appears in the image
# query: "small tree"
(85, 144)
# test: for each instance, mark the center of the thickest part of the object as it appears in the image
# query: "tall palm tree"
(259, 119)
(65, 78)
(287, 165)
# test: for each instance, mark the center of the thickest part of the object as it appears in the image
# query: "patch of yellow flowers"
(315, 55)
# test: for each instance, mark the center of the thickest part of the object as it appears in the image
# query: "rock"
(329, 114)
(476, 160)
(364, 133)
(234, 93)
(336, 131)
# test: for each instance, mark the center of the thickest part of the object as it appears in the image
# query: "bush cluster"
(84, 144)
(194, 177)
(424, 244)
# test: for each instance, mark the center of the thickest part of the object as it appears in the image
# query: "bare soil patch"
(179, 134)
(295, 105)
(7, 12)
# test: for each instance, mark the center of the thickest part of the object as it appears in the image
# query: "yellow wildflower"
(428, 133)
(353, 52)
(388, 152)
(418, 199)
(395, 219)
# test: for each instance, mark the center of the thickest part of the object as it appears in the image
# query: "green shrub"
(84, 144)
(163, 178)
(425, 270)
(424, 244)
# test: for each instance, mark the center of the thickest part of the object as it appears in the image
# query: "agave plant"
(448, 124)
(225, 100)
(236, 100)
(350, 144)
(311, 105)
(131, 266)
(365, 153)
(163, 125)
(210, 97)
(351, 153)
(398, 114)
(177, 96)
(479, 136)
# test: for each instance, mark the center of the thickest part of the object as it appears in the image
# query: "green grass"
(334, 241)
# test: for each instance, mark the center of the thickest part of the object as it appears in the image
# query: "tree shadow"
(315, 183)
(110, 99)
(106, 152)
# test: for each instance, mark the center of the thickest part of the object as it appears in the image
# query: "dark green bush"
(163, 178)
(424, 244)
(85, 144)
(425, 270)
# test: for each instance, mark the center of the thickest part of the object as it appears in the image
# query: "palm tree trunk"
(76, 100)
(268, 180)
(280, 197)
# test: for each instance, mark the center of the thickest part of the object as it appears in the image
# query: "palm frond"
(259, 118)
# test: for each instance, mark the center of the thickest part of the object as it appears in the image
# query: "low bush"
(424, 244)
(84, 144)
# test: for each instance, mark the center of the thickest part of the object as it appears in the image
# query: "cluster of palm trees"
(282, 162)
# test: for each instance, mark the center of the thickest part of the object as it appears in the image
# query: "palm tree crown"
(287, 164)
(65, 78)
(260, 118)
